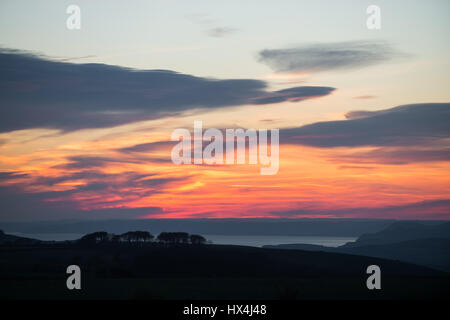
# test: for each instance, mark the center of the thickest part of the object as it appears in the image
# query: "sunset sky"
(86, 115)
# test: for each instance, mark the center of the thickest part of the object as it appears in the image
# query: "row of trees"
(143, 237)
(180, 237)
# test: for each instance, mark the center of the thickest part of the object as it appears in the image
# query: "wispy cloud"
(365, 97)
(213, 29)
(219, 32)
(328, 56)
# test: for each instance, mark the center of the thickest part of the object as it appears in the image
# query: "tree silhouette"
(137, 236)
(115, 238)
(144, 236)
(164, 237)
(173, 237)
(93, 238)
(197, 239)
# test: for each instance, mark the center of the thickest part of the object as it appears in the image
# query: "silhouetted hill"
(403, 231)
(413, 242)
(301, 246)
(433, 252)
(11, 239)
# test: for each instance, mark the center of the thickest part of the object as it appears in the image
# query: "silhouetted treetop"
(142, 236)
(136, 236)
(197, 239)
(94, 237)
(174, 237)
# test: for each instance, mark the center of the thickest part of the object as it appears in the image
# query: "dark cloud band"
(39, 93)
(408, 125)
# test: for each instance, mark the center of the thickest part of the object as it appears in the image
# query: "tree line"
(143, 237)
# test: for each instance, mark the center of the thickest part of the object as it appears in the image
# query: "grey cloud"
(99, 181)
(4, 175)
(39, 93)
(356, 114)
(89, 162)
(433, 209)
(328, 56)
(148, 147)
(88, 173)
(294, 94)
(398, 155)
(409, 125)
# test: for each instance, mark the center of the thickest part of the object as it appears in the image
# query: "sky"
(86, 115)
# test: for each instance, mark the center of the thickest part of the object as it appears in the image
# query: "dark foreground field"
(154, 271)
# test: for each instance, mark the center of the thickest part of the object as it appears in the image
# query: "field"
(207, 272)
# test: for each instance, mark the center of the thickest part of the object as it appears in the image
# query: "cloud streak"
(220, 32)
(397, 155)
(431, 209)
